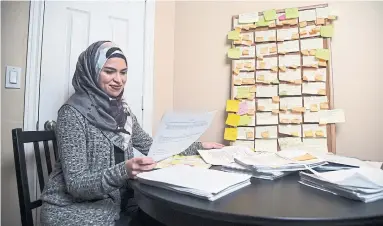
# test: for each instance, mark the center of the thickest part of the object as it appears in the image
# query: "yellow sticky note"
(244, 120)
(262, 22)
(309, 133)
(233, 35)
(265, 134)
(292, 13)
(232, 105)
(232, 119)
(234, 53)
(270, 14)
(304, 157)
(327, 31)
(323, 54)
(231, 134)
(294, 134)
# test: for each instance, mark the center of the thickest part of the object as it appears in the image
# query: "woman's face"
(113, 76)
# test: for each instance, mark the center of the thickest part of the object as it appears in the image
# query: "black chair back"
(20, 138)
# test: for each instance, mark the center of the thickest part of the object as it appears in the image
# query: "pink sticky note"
(243, 108)
(282, 17)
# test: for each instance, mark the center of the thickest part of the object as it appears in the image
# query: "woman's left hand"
(212, 145)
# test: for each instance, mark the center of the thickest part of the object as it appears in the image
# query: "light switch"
(12, 77)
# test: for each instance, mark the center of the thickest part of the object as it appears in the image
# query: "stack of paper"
(202, 183)
(225, 155)
(280, 161)
(364, 184)
(190, 160)
(236, 168)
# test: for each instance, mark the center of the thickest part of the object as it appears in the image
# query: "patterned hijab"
(103, 111)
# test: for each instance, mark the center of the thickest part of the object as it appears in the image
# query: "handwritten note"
(233, 35)
(230, 134)
(234, 53)
(327, 31)
(232, 119)
(270, 14)
(323, 54)
(243, 108)
(292, 13)
(232, 105)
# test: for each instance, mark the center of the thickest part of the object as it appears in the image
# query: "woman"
(96, 133)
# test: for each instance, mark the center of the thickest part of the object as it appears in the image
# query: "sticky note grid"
(280, 88)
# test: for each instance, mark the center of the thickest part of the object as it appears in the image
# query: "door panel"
(69, 28)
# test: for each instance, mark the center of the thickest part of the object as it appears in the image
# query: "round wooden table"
(280, 202)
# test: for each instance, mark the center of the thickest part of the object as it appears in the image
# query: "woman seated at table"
(96, 133)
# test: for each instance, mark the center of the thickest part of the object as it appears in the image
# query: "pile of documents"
(190, 160)
(286, 161)
(198, 182)
(236, 168)
(364, 184)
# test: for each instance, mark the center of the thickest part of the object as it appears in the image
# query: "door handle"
(50, 125)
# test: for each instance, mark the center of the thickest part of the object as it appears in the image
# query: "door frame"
(33, 68)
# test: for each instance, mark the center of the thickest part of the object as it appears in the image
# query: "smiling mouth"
(116, 87)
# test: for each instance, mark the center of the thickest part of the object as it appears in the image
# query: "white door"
(69, 28)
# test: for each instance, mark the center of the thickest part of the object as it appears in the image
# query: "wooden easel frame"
(331, 128)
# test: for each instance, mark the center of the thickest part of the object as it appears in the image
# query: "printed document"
(225, 155)
(177, 131)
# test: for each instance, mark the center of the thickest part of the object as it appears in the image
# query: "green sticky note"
(270, 14)
(234, 53)
(262, 23)
(323, 54)
(292, 13)
(243, 92)
(244, 120)
(327, 31)
(233, 35)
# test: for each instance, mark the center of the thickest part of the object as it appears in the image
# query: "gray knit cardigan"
(85, 186)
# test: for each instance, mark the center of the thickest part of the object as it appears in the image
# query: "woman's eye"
(123, 72)
(109, 72)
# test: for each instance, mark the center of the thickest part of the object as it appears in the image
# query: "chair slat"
(40, 173)
(55, 149)
(47, 156)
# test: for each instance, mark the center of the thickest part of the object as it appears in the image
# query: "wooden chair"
(20, 138)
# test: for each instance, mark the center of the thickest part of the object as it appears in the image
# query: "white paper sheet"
(322, 12)
(332, 116)
(266, 49)
(314, 100)
(315, 74)
(315, 145)
(290, 102)
(290, 60)
(290, 130)
(290, 143)
(266, 118)
(313, 88)
(247, 51)
(267, 105)
(245, 18)
(224, 155)
(307, 15)
(310, 31)
(286, 33)
(267, 90)
(311, 116)
(315, 130)
(177, 131)
(269, 35)
(244, 143)
(244, 65)
(289, 117)
(269, 62)
(266, 145)
(289, 90)
(272, 132)
(266, 77)
(290, 74)
(245, 133)
(312, 43)
(309, 61)
(288, 46)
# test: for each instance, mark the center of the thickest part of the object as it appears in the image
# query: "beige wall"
(202, 73)
(14, 35)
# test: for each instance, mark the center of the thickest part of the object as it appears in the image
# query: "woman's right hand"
(138, 165)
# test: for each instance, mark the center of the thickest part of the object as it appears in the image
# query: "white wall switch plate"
(12, 77)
